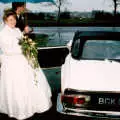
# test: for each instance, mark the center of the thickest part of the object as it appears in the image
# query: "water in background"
(60, 36)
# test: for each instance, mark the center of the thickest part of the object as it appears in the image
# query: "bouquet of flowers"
(30, 51)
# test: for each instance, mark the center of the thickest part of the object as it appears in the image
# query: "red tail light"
(81, 100)
(74, 99)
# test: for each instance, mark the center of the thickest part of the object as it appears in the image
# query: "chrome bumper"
(86, 113)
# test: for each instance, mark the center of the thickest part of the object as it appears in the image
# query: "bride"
(20, 97)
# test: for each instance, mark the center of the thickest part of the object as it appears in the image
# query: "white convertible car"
(90, 76)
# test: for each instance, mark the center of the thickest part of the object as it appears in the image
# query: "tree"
(115, 5)
(59, 4)
(65, 15)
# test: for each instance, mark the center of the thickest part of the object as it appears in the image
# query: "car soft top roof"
(113, 35)
(81, 37)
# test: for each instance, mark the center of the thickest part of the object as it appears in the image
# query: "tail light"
(72, 99)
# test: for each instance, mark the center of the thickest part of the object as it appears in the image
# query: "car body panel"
(104, 74)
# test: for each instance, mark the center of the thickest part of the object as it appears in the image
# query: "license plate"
(106, 101)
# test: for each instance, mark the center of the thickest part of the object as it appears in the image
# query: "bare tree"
(116, 3)
(59, 4)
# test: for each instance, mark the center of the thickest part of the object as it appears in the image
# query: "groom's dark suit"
(20, 22)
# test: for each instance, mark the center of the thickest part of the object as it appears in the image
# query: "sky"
(77, 5)
(74, 5)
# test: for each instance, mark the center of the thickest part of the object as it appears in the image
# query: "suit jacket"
(20, 22)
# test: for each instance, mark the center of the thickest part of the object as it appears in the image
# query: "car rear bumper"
(84, 112)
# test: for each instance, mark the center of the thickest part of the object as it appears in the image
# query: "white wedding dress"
(20, 96)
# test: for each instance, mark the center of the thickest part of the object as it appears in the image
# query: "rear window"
(97, 49)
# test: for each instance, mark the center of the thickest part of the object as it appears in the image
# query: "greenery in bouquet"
(30, 51)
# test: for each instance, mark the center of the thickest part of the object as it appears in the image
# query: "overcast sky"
(75, 5)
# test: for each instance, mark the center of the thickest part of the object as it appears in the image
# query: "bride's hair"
(7, 13)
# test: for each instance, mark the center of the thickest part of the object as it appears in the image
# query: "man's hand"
(27, 29)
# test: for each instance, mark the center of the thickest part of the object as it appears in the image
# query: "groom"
(19, 8)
